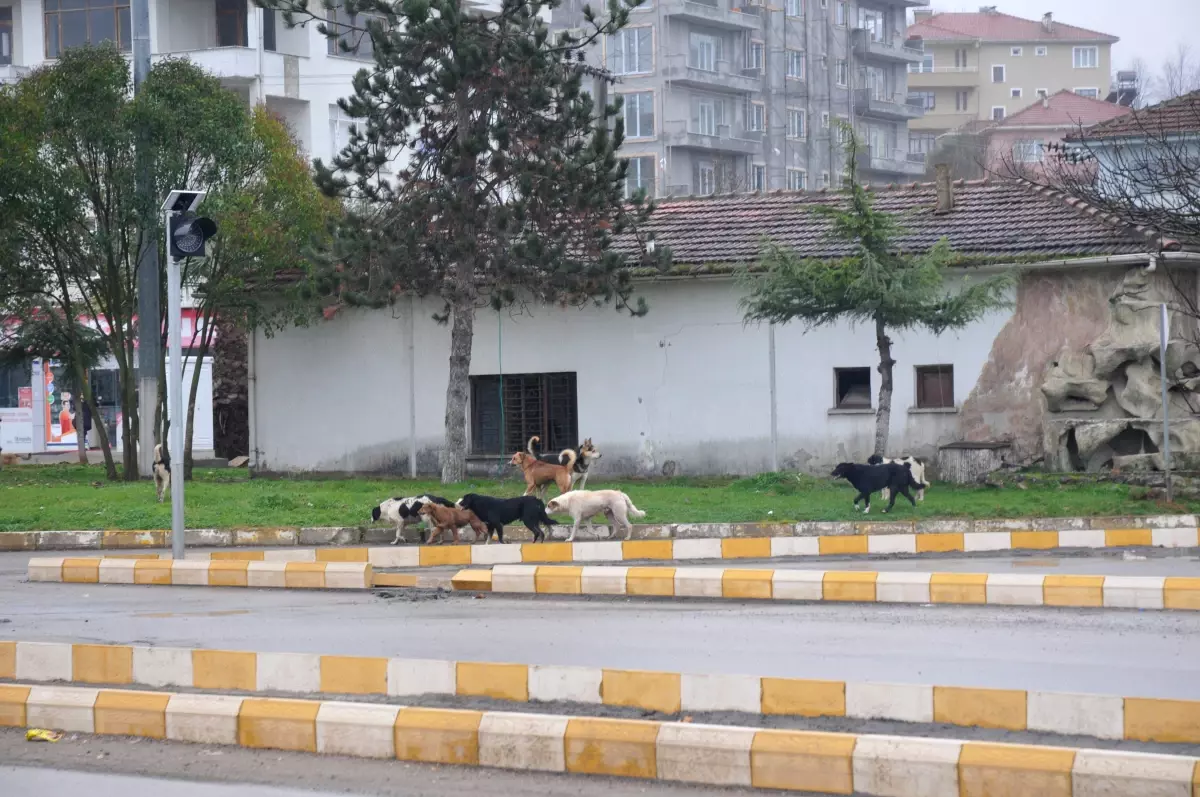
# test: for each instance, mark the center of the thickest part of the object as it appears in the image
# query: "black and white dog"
(405, 512)
(161, 468)
(585, 455)
(869, 479)
(915, 465)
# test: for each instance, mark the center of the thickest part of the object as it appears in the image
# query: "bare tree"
(1180, 73)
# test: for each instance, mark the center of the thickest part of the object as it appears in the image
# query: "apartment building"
(987, 65)
(742, 95)
(297, 72)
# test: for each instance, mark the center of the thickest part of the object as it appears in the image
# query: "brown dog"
(451, 518)
(538, 474)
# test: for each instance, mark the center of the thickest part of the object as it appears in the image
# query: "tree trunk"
(883, 415)
(110, 466)
(80, 433)
(462, 333)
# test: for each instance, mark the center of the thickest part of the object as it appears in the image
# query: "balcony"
(891, 162)
(715, 15)
(677, 134)
(893, 107)
(944, 77)
(11, 74)
(725, 78)
(941, 122)
(865, 46)
(231, 64)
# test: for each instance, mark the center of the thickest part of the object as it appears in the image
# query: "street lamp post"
(186, 234)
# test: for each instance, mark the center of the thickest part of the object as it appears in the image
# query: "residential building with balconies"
(297, 72)
(985, 65)
(740, 95)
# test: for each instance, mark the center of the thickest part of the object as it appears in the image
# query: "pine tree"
(509, 187)
(878, 285)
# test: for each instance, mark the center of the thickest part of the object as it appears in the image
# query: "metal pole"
(1164, 331)
(175, 394)
(412, 389)
(774, 416)
(148, 276)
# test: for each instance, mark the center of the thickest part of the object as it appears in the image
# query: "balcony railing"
(873, 102)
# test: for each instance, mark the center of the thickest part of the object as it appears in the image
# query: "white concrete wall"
(687, 384)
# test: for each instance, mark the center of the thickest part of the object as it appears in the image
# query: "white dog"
(914, 464)
(586, 504)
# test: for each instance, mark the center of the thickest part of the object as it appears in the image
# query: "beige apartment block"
(987, 65)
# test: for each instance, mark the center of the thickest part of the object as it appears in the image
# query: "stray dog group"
(915, 465)
(886, 477)
(405, 512)
(585, 455)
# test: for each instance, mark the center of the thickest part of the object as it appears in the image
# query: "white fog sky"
(1149, 29)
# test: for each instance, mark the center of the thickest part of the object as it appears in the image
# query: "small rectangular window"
(269, 35)
(795, 64)
(1086, 57)
(998, 112)
(853, 386)
(1093, 93)
(637, 111)
(825, 120)
(1040, 52)
(842, 14)
(506, 411)
(935, 387)
(630, 51)
(1016, 51)
(640, 176)
(998, 74)
(923, 99)
(794, 8)
(755, 55)
(797, 180)
(797, 123)
(824, 179)
(962, 101)
(758, 117)
(758, 177)
(6, 35)
(1016, 93)
(842, 73)
(706, 179)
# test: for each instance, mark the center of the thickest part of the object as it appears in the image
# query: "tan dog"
(451, 518)
(538, 474)
(585, 455)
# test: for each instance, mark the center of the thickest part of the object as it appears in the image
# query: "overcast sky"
(1148, 28)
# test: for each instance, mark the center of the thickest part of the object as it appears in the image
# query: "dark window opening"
(935, 387)
(12, 379)
(231, 23)
(6, 35)
(853, 388)
(269, 30)
(533, 404)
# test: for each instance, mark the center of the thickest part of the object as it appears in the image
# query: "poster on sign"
(60, 409)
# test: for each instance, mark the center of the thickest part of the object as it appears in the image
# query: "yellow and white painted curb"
(831, 537)
(1099, 716)
(203, 573)
(824, 763)
(858, 542)
(859, 586)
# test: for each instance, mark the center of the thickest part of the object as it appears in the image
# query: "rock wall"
(1053, 310)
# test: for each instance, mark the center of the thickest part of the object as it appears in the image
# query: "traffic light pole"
(175, 392)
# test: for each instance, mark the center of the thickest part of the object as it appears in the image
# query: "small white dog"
(915, 465)
(161, 469)
(586, 504)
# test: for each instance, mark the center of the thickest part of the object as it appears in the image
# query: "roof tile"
(1178, 115)
(994, 26)
(990, 220)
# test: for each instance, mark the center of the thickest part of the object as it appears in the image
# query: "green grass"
(71, 497)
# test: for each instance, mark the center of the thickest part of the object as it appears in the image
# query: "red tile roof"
(990, 220)
(1065, 109)
(1179, 115)
(997, 27)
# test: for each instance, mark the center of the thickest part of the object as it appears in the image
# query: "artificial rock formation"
(1104, 401)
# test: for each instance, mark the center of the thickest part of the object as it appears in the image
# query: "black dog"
(496, 512)
(869, 479)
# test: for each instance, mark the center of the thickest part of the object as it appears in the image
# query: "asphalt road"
(1147, 653)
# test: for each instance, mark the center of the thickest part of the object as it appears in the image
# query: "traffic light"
(188, 234)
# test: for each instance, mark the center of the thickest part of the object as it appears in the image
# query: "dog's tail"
(633, 510)
(571, 457)
(529, 448)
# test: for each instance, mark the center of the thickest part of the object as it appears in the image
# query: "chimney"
(1045, 101)
(945, 189)
(1048, 22)
(987, 9)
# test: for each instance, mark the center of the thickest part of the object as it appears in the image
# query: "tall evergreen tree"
(878, 284)
(507, 186)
